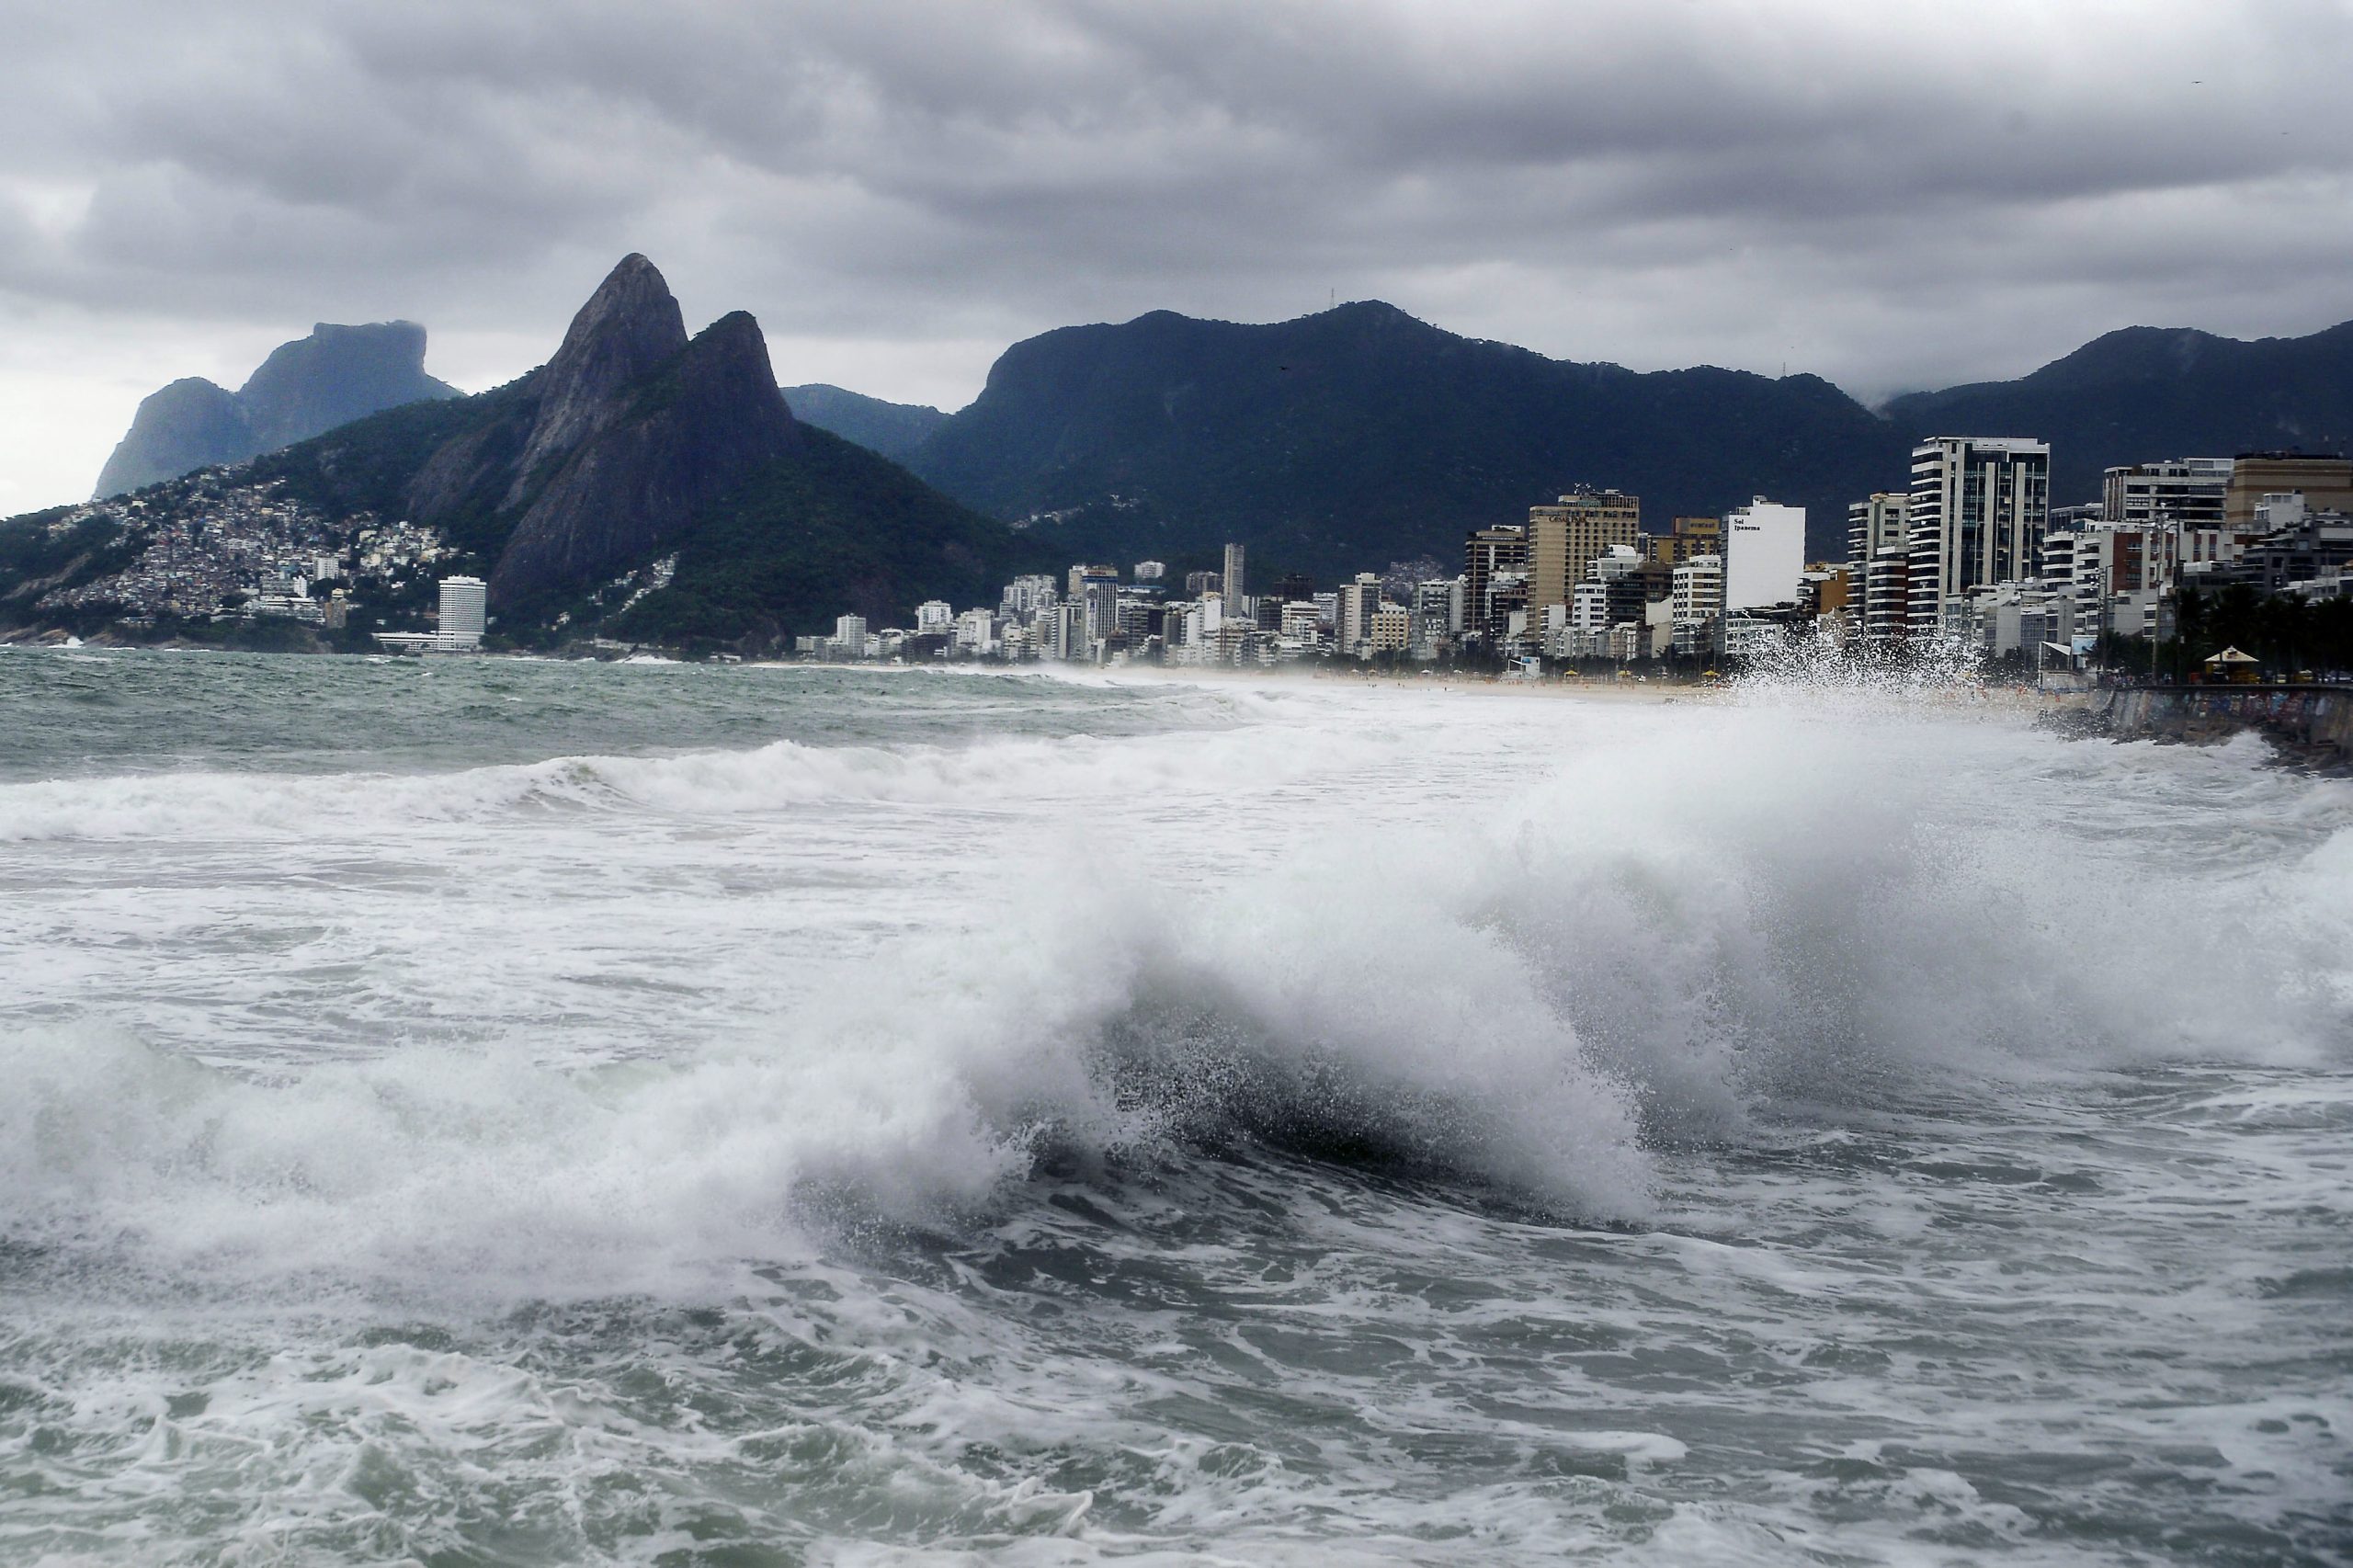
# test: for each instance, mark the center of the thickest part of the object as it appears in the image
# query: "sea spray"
(854, 1113)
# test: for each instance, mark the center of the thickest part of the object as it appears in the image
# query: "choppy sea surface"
(474, 1111)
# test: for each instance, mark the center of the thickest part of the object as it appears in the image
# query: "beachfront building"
(1878, 550)
(1696, 599)
(1978, 509)
(2180, 492)
(1352, 636)
(2325, 484)
(1565, 539)
(1764, 554)
(1491, 554)
(465, 603)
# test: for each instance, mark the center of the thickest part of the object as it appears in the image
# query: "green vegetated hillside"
(1344, 439)
(835, 530)
(1341, 440)
(897, 430)
(2149, 393)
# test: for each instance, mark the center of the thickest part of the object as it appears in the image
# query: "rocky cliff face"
(659, 449)
(630, 328)
(614, 445)
(336, 375)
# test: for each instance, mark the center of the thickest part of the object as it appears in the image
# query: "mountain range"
(1331, 443)
(1359, 435)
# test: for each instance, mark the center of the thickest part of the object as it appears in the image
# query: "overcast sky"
(1890, 194)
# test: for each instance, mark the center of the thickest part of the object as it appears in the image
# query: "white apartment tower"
(1879, 552)
(465, 603)
(1353, 627)
(1696, 598)
(1231, 583)
(1764, 554)
(1978, 509)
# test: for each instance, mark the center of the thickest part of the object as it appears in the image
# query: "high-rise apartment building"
(1491, 554)
(1764, 554)
(2186, 493)
(1566, 539)
(1441, 603)
(849, 636)
(1977, 516)
(1231, 583)
(1697, 597)
(1879, 553)
(1095, 589)
(1353, 635)
(464, 606)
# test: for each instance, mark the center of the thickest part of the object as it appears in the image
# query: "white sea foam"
(1378, 1126)
(1678, 911)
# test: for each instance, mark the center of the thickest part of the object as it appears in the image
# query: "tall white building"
(1977, 513)
(1696, 598)
(933, 616)
(1879, 557)
(1358, 600)
(1097, 591)
(465, 604)
(1764, 554)
(1062, 631)
(849, 636)
(1231, 583)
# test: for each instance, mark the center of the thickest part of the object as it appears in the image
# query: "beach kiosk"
(2233, 666)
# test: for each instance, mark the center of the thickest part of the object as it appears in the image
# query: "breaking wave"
(1683, 917)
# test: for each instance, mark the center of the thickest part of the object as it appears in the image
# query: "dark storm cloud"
(1890, 193)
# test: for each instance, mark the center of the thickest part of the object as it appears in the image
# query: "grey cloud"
(1876, 177)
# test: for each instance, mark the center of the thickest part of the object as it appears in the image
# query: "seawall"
(2314, 723)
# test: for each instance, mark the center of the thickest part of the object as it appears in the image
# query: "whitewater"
(486, 1111)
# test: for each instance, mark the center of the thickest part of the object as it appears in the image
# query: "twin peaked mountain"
(612, 448)
(636, 440)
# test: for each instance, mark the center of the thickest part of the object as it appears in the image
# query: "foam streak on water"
(490, 1112)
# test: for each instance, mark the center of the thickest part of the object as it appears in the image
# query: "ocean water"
(467, 1112)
